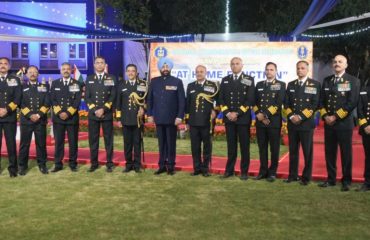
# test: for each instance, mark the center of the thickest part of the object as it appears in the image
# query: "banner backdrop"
(216, 57)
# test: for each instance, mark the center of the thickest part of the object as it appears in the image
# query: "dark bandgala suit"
(166, 102)
(237, 96)
(301, 100)
(269, 101)
(127, 110)
(364, 121)
(35, 100)
(101, 93)
(10, 98)
(198, 112)
(65, 98)
(339, 97)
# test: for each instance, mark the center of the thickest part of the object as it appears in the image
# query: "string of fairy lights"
(110, 29)
(336, 35)
(148, 36)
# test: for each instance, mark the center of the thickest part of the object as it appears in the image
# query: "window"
(48, 50)
(82, 50)
(48, 56)
(19, 50)
(77, 55)
(53, 50)
(15, 50)
(72, 50)
(24, 50)
(44, 50)
(19, 55)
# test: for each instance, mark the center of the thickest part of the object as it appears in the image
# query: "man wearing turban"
(166, 107)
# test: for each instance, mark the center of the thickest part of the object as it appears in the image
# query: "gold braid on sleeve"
(139, 101)
(208, 98)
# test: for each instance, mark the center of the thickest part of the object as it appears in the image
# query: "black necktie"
(100, 78)
(300, 83)
(65, 82)
(235, 77)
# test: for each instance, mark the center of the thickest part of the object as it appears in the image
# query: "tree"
(135, 14)
(188, 16)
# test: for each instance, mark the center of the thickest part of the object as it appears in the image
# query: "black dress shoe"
(206, 174)
(260, 176)
(289, 180)
(363, 188)
(56, 169)
(244, 177)
(160, 171)
(227, 175)
(22, 171)
(74, 169)
(195, 173)
(271, 178)
(304, 182)
(93, 168)
(344, 188)
(326, 184)
(109, 169)
(127, 169)
(171, 172)
(13, 174)
(137, 170)
(43, 169)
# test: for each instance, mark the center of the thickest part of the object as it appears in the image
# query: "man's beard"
(165, 73)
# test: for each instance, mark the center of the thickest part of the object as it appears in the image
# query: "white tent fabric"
(341, 21)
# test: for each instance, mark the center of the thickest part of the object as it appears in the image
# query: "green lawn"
(182, 146)
(99, 205)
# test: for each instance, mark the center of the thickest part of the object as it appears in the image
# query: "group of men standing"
(166, 105)
(238, 95)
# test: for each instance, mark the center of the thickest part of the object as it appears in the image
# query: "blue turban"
(164, 61)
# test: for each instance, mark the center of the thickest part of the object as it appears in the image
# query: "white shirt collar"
(303, 80)
(238, 74)
(202, 82)
(68, 80)
(340, 75)
(4, 76)
(98, 74)
(270, 80)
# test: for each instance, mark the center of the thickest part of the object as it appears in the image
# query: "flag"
(77, 74)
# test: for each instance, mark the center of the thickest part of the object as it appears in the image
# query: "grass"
(99, 205)
(182, 146)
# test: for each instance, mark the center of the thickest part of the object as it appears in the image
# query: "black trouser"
(266, 136)
(233, 132)
(40, 139)
(366, 144)
(132, 141)
(59, 135)
(167, 146)
(197, 136)
(343, 138)
(305, 139)
(10, 131)
(94, 130)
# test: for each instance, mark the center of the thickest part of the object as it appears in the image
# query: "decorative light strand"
(227, 17)
(335, 35)
(111, 29)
